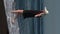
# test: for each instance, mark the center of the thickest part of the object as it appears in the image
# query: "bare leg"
(17, 11)
(38, 15)
(43, 12)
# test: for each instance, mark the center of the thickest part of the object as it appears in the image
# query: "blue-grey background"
(52, 20)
